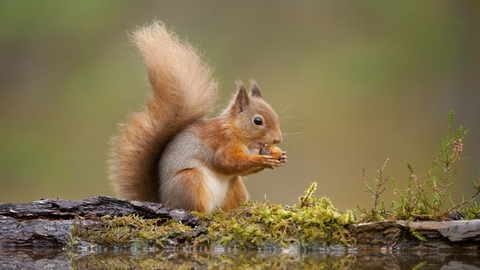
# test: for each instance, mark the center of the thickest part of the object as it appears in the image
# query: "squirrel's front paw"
(270, 161)
(276, 153)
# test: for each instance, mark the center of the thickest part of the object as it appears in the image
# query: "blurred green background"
(361, 81)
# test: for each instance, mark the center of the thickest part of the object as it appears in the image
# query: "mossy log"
(49, 222)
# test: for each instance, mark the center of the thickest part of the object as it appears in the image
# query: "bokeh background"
(353, 82)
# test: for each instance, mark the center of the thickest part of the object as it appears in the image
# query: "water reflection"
(233, 259)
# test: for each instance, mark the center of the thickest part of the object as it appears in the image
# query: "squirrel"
(170, 153)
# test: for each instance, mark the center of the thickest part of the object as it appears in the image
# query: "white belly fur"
(251, 151)
(217, 185)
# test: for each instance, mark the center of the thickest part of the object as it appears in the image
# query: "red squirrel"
(171, 153)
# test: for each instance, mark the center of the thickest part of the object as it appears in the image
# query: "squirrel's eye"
(258, 121)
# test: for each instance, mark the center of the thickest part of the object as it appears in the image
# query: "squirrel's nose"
(277, 140)
(276, 136)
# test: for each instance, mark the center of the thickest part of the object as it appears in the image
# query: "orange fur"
(236, 195)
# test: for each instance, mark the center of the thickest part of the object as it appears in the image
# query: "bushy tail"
(184, 91)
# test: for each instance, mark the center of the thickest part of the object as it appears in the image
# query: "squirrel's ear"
(255, 89)
(241, 100)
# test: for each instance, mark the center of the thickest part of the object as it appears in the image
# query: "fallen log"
(456, 234)
(49, 222)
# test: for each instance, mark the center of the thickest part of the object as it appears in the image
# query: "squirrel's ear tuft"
(255, 89)
(241, 100)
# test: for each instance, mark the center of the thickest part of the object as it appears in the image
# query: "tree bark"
(389, 235)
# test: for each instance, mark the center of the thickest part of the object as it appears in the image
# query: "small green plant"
(473, 212)
(412, 201)
(426, 200)
(380, 180)
(307, 199)
(419, 266)
(418, 235)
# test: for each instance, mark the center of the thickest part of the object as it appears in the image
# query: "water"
(42, 258)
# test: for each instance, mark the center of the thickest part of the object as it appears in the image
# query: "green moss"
(311, 224)
(130, 232)
(264, 225)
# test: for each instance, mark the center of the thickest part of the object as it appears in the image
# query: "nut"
(271, 150)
